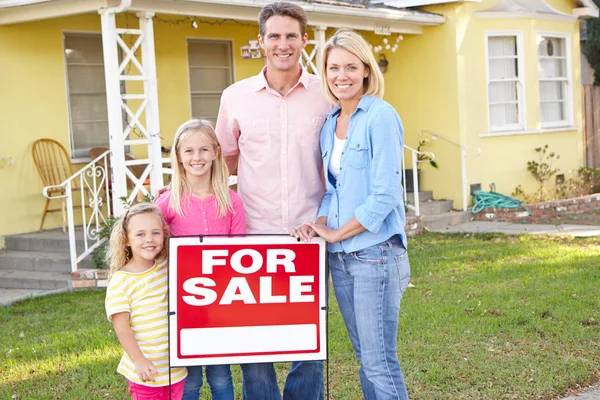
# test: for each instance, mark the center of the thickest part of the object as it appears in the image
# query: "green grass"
(490, 317)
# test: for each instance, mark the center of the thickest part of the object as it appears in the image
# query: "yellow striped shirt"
(144, 296)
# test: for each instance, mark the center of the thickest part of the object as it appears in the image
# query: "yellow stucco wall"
(33, 97)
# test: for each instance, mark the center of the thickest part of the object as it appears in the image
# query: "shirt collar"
(261, 79)
(364, 104)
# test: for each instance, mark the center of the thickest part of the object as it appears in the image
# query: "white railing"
(91, 181)
(463, 161)
(415, 175)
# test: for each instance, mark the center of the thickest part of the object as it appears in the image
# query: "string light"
(385, 44)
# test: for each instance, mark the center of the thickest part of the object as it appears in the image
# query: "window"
(505, 82)
(211, 71)
(553, 72)
(88, 116)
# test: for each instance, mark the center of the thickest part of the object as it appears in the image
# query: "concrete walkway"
(514, 229)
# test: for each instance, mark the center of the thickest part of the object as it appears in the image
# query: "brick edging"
(88, 278)
(540, 211)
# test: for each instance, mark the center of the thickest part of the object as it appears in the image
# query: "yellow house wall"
(421, 84)
(503, 159)
(33, 98)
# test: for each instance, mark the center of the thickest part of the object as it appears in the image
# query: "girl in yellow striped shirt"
(136, 303)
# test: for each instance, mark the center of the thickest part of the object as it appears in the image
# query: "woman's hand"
(306, 232)
(145, 369)
(327, 233)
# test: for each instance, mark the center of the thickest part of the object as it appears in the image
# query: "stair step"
(47, 241)
(18, 279)
(433, 207)
(443, 220)
(38, 261)
(425, 195)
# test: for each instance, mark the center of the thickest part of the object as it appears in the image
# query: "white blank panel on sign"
(259, 339)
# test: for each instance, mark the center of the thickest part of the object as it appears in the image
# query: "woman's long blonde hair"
(119, 253)
(219, 173)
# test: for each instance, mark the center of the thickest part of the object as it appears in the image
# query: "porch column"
(151, 91)
(138, 102)
(113, 103)
(320, 44)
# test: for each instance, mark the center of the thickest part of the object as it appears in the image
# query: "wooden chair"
(54, 166)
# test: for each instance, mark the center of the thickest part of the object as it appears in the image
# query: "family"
(304, 169)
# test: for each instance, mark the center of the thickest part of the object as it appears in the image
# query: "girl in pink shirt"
(200, 202)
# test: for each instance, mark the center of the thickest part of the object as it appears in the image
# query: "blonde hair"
(351, 41)
(119, 253)
(218, 170)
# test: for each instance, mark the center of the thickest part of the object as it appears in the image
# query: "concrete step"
(11, 279)
(433, 207)
(423, 196)
(34, 261)
(443, 220)
(47, 241)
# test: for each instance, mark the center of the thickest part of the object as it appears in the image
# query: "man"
(268, 127)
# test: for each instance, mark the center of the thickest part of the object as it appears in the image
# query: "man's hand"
(145, 369)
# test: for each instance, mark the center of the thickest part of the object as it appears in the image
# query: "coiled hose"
(482, 200)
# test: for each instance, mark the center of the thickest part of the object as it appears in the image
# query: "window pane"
(211, 54)
(205, 106)
(86, 107)
(551, 47)
(552, 91)
(88, 135)
(503, 68)
(503, 114)
(502, 46)
(210, 79)
(86, 78)
(81, 48)
(503, 92)
(552, 68)
(552, 112)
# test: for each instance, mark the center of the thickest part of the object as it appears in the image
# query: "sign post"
(235, 300)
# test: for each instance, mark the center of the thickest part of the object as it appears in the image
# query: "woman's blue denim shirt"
(369, 185)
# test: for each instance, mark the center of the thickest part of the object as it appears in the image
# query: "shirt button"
(283, 178)
(335, 215)
(205, 220)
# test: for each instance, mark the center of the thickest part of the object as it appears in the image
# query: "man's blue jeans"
(368, 285)
(304, 382)
(218, 378)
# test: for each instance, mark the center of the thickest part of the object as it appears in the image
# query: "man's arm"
(232, 163)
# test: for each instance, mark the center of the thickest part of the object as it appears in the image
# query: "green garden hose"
(482, 200)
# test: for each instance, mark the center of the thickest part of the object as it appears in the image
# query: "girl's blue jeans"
(218, 378)
(368, 285)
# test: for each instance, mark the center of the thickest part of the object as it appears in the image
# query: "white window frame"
(521, 104)
(568, 110)
(206, 40)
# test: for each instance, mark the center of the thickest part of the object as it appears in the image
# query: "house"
(490, 80)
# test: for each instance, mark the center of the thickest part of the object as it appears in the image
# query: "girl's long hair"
(119, 253)
(219, 173)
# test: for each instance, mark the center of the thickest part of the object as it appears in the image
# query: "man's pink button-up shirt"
(277, 139)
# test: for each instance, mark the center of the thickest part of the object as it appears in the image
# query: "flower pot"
(410, 185)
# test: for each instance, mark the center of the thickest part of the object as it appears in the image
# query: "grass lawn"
(490, 317)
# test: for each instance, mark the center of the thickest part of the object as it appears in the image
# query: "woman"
(362, 214)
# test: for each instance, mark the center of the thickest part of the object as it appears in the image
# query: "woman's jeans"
(368, 285)
(218, 378)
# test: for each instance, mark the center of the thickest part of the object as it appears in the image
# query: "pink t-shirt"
(200, 217)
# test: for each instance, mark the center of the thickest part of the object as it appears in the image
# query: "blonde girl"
(199, 202)
(136, 303)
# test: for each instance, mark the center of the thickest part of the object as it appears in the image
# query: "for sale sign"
(246, 299)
